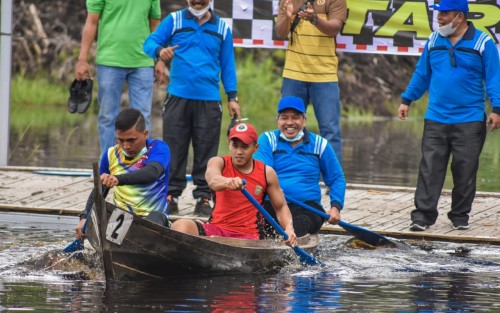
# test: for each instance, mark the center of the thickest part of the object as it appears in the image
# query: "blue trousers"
(110, 80)
(326, 103)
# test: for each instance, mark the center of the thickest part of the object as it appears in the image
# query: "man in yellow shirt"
(311, 61)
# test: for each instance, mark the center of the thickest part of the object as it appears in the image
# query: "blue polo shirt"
(457, 77)
(205, 55)
(299, 169)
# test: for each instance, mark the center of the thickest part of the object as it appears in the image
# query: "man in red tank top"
(233, 215)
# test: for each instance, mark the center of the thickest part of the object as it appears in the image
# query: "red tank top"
(233, 211)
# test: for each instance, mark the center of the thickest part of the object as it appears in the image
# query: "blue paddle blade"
(76, 245)
(365, 235)
(306, 257)
(362, 234)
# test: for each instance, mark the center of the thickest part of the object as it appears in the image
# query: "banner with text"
(372, 26)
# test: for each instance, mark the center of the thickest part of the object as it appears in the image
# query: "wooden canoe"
(133, 248)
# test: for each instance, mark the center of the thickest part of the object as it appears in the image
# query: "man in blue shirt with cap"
(301, 158)
(457, 65)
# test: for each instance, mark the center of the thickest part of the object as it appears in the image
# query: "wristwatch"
(234, 99)
(314, 20)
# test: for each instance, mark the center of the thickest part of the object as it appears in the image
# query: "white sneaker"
(418, 227)
(461, 227)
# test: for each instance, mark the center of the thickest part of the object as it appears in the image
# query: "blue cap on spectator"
(452, 5)
(291, 102)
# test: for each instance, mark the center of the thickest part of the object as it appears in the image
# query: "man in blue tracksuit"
(459, 63)
(301, 158)
(200, 46)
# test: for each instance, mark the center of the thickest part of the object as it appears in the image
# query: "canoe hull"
(151, 251)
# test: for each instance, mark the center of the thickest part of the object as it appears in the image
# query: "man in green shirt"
(122, 27)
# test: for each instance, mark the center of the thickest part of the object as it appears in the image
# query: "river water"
(416, 277)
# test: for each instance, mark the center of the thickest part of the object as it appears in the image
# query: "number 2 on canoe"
(118, 226)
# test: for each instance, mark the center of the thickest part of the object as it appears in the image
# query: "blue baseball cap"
(291, 102)
(452, 5)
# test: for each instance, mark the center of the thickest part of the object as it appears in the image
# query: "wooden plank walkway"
(383, 209)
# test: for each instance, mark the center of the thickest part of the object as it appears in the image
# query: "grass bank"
(39, 117)
(40, 101)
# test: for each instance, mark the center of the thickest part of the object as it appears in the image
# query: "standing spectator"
(459, 63)
(311, 61)
(300, 158)
(200, 46)
(122, 28)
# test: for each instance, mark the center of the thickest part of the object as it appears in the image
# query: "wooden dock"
(382, 209)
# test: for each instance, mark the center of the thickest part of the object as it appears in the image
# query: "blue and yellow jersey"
(141, 199)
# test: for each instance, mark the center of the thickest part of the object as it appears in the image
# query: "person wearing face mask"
(311, 63)
(199, 46)
(300, 158)
(459, 67)
(137, 168)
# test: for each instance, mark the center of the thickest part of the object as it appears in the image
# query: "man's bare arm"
(153, 23)
(283, 21)
(82, 69)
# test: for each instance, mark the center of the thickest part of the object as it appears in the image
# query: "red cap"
(244, 132)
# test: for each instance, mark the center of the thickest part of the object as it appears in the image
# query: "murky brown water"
(418, 277)
(423, 277)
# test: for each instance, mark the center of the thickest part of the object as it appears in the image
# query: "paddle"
(77, 244)
(362, 234)
(304, 256)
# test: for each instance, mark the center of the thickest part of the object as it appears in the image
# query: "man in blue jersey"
(137, 167)
(301, 158)
(199, 45)
(459, 63)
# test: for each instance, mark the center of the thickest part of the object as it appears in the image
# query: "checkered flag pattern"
(252, 23)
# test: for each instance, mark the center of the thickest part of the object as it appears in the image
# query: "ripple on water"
(430, 276)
